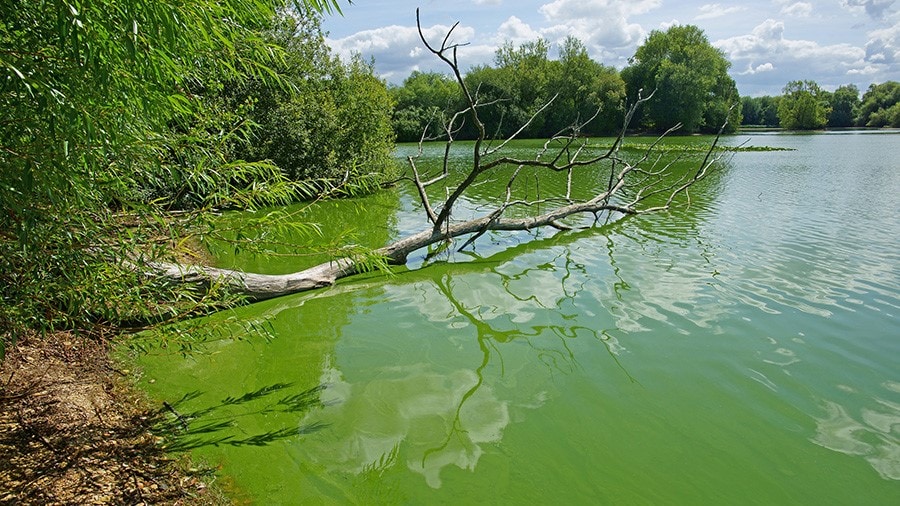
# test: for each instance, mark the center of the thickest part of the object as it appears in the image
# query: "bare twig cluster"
(646, 184)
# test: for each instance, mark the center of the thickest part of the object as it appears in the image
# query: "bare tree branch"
(630, 185)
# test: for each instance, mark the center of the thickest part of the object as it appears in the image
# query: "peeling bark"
(266, 286)
(258, 286)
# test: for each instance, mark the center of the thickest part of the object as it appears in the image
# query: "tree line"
(805, 106)
(687, 75)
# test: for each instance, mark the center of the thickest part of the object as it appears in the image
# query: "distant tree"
(880, 106)
(584, 86)
(494, 85)
(527, 72)
(519, 84)
(887, 117)
(760, 111)
(691, 80)
(724, 104)
(529, 64)
(751, 111)
(844, 104)
(803, 106)
(524, 79)
(421, 100)
(768, 110)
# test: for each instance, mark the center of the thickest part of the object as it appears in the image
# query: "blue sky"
(769, 42)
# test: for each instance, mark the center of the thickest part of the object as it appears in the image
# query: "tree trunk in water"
(266, 286)
(570, 154)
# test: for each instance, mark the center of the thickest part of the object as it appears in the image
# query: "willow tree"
(329, 121)
(96, 108)
(625, 186)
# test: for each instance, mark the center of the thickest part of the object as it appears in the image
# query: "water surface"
(745, 350)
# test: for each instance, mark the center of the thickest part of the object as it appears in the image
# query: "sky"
(769, 42)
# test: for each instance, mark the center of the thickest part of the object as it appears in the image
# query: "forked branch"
(650, 188)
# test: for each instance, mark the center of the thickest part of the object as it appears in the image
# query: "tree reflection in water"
(431, 415)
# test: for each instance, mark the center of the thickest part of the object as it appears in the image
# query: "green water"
(745, 350)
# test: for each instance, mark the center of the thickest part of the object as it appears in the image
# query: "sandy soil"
(73, 432)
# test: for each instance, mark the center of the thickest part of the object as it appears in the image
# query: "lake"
(742, 350)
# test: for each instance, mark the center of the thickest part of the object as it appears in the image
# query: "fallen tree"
(632, 187)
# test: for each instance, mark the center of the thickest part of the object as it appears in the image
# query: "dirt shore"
(73, 432)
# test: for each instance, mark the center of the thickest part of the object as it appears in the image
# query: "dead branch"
(566, 152)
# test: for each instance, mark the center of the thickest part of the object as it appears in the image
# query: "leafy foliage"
(584, 87)
(806, 106)
(690, 74)
(421, 102)
(880, 106)
(690, 79)
(525, 79)
(106, 125)
(803, 106)
(328, 122)
(760, 111)
(521, 82)
(526, 75)
(844, 105)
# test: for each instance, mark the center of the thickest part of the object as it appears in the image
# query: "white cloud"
(665, 25)
(602, 25)
(487, 2)
(711, 11)
(767, 39)
(516, 30)
(798, 9)
(568, 10)
(765, 67)
(868, 70)
(877, 9)
(791, 59)
(883, 46)
(399, 50)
